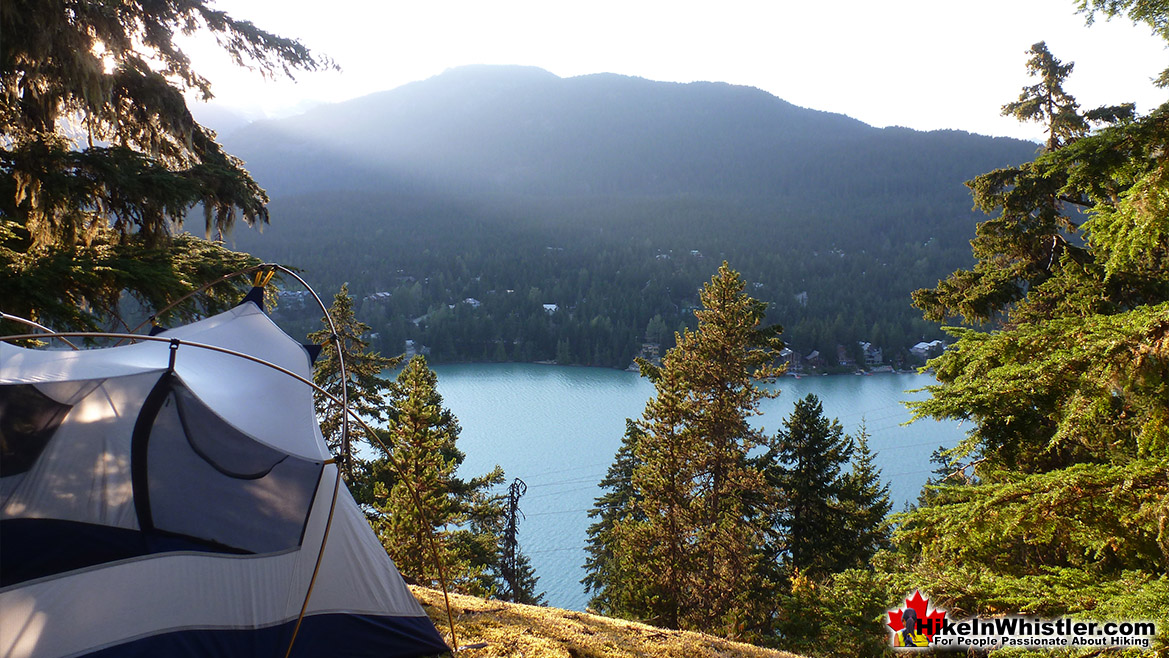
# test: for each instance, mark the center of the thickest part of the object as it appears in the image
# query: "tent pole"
(35, 325)
(320, 559)
(194, 292)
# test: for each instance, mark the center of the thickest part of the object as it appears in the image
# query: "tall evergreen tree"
(524, 585)
(420, 498)
(1046, 101)
(865, 504)
(362, 387)
(689, 548)
(1026, 243)
(84, 218)
(611, 579)
(825, 534)
(1065, 508)
(811, 450)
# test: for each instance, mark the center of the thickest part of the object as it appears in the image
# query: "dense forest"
(611, 200)
(480, 292)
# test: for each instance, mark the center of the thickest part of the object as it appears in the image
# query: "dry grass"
(532, 632)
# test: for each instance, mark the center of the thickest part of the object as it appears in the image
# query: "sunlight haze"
(922, 64)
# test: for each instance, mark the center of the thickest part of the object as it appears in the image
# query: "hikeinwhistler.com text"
(1018, 631)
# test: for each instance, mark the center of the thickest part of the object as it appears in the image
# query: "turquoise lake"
(558, 427)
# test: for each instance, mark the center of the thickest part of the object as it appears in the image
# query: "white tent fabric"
(145, 511)
(245, 329)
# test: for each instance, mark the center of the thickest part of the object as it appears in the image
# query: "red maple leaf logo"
(931, 622)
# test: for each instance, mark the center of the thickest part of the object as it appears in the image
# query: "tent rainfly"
(162, 499)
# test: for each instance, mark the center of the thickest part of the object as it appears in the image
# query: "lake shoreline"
(796, 375)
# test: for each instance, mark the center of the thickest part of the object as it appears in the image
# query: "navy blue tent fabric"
(36, 548)
(365, 636)
(255, 296)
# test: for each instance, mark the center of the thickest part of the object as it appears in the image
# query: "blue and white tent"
(162, 499)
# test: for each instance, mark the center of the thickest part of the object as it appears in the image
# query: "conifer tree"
(85, 217)
(831, 524)
(946, 471)
(811, 450)
(1046, 101)
(689, 548)
(524, 587)
(1064, 506)
(419, 495)
(865, 504)
(363, 384)
(610, 579)
(1027, 242)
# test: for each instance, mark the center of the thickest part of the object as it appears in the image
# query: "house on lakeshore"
(925, 351)
(843, 358)
(792, 359)
(873, 356)
(651, 352)
(813, 360)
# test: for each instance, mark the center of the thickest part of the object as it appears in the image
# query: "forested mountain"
(481, 195)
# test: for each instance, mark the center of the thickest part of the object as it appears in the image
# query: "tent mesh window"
(28, 419)
(208, 481)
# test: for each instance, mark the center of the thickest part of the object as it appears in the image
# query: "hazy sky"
(925, 64)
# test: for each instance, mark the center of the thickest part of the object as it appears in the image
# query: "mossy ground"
(513, 630)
